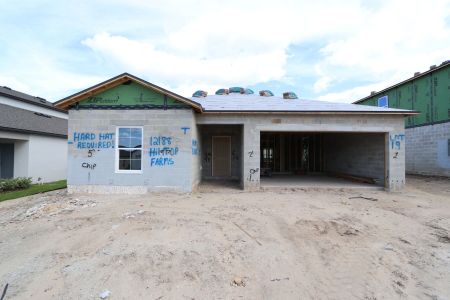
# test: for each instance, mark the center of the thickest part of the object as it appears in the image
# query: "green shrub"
(12, 184)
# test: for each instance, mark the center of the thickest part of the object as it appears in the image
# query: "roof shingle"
(256, 103)
(21, 120)
(10, 93)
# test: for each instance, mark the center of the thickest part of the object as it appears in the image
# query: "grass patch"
(34, 189)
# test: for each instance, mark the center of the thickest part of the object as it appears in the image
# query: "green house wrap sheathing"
(130, 94)
(428, 93)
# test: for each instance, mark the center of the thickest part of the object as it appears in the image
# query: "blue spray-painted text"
(89, 140)
(396, 140)
(194, 147)
(162, 156)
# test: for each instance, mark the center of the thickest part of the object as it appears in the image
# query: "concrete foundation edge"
(114, 189)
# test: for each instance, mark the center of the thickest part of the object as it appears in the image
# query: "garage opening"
(336, 159)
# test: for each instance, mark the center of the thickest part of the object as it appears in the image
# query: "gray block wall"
(427, 150)
(94, 171)
(196, 144)
(360, 154)
(235, 132)
(390, 125)
(91, 168)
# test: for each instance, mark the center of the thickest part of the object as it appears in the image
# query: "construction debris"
(388, 247)
(105, 294)
(238, 281)
(279, 279)
(4, 292)
(354, 177)
(362, 197)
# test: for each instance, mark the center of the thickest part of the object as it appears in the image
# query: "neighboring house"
(428, 133)
(33, 137)
(127, 135)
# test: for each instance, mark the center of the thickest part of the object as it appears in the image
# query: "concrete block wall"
(390, 125)
(235, 132)
(92, 169)
(252, 153)
(360, 154)
(427, 150)
(196, 168)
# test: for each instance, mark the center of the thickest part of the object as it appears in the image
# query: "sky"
(324, 50)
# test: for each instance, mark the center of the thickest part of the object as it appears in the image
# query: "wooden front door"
(221, 156)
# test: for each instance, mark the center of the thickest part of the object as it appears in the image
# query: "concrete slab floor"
(219, 185)
(313, 181)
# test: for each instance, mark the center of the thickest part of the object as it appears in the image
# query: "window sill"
(128, 172)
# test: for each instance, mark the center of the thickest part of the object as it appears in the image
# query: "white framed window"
(129, 149)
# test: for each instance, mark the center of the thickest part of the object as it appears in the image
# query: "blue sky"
(325, 50)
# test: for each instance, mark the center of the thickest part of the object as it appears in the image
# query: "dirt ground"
(230, 244)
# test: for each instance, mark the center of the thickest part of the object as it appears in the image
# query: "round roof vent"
(265, 93)
(290, 95)
(200, 94)
(237, 89)
(222, 92)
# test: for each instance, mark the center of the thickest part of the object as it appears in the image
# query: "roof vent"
(249, 91)
(42, 115)
(265, 93)
(372, 93)
(445, 62)
(416, 74)
(7, 87)
(289, 95)
(200, 94)
(222, 92)
(236, 89)
(42, 100)
(432, 67)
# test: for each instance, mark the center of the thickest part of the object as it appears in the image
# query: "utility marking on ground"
(252, 237)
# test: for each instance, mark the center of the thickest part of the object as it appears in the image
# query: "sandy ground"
(275, 245)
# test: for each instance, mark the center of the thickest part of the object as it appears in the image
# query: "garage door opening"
(333, 159)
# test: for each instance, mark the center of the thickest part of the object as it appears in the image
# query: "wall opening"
(356, 157)
(221, 153)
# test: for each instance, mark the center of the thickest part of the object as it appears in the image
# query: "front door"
(221, 156)
(6, 160)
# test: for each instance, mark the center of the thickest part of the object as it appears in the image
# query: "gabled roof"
(115, 81)
(38, 101)
(21, 120)
(235, 102)
(242, 103)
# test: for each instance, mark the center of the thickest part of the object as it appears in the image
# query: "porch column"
(395, 160)
(251, 157)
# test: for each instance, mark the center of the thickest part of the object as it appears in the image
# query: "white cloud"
(241, 43)
(395, 41)
(206, 44)
(143, 57)
(353, 94)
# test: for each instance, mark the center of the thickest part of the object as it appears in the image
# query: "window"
(383, 101)
(129, 149)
